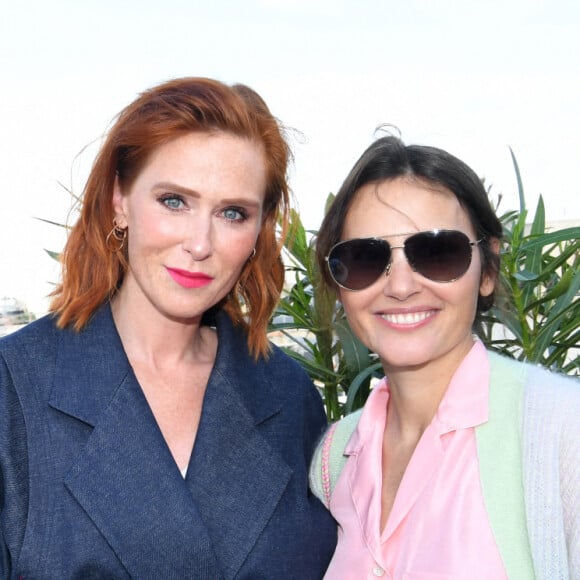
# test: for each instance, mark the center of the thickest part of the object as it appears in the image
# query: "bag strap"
(325, 467)
(329, 458)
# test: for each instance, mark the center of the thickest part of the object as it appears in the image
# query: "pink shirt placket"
(438, 527)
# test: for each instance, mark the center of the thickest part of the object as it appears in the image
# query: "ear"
(119, 205)
(488, 281)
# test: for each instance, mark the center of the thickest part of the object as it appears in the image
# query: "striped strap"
(326, 463)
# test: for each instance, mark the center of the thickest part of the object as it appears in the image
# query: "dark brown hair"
(389, 158)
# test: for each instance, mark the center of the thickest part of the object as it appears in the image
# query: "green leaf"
(361, 378)
(525, 276)
(53, 255)
(58, 225)
(556, 291)
(523, 211)
(549, 238)
(563, 305)
(533, 261)
(296, 242)
(356, 354)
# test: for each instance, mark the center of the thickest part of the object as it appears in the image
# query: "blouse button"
(378, 571)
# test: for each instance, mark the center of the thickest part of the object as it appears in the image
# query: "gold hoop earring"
(115, 240)
(252, 255)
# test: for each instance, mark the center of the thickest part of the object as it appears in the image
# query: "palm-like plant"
(537, 318)
(76, 203)
(320, 337)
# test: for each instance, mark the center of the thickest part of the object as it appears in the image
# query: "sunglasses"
(439, 255)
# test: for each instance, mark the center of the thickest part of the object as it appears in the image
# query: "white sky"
(472, 77)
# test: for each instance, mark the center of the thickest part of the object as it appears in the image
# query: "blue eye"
(172, 202)
(235, 214)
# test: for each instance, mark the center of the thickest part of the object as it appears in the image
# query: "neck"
(155, 339)
(412, 405)
(416, 392)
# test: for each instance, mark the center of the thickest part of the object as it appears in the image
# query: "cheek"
(150, 237)
(354, 306)
(238, 242)
(234, 251)
(465, 296)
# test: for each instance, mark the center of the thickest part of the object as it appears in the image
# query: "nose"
(400, 279)
(197, 238)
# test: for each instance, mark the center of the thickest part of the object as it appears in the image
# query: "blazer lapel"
(125, 477)
(234, 475)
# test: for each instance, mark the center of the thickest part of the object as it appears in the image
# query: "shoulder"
(42, 324)
(346, 426)
(31, 344)
(537, 378)
(280, 363)
(274, 385)
(532, 376)
(28, 359)
(31, 358)
(553, 397)
(329, 457)
(541, 376)
(286, 381)
(550, 400)
(337, 439)
(280, 372)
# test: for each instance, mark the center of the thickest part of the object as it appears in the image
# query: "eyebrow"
(167, 185)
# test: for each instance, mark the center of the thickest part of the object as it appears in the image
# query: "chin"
(183, 315)
(406, 360)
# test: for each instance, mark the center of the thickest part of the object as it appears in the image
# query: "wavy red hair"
(91, 273)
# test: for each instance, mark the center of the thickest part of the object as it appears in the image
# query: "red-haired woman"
(147, 427)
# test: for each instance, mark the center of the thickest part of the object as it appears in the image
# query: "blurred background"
(474, 78)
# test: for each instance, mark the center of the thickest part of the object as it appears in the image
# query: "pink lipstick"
(189, 279)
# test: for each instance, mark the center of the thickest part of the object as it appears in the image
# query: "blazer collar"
(90, 366)
(126, 479)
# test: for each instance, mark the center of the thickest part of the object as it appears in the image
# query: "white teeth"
(407, 318)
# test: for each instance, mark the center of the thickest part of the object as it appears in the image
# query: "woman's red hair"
(91, 273)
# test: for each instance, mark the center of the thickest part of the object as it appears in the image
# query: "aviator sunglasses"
(439, 255)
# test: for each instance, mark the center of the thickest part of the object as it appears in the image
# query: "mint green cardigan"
(529, 454)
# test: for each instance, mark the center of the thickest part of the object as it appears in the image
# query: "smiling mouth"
(189, 279)
(408, 317)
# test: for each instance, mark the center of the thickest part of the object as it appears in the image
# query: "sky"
(475, 78)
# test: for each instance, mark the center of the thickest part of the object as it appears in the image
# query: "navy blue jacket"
(88, 486)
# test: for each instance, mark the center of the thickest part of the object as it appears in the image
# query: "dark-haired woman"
(463, 463)
(147, 427)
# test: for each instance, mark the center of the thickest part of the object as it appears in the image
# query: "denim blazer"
(88, 486)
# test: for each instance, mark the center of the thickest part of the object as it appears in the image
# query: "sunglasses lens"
(356, 264)
(441, 256)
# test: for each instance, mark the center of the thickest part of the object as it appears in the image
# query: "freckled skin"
(196, 207)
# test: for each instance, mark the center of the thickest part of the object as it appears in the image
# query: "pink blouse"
(438, 527)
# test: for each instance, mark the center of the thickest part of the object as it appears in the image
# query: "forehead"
(404, 205)
(200, 145)
(217, 160)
